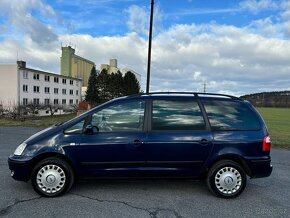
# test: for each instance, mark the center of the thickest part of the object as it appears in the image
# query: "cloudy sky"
(235, 47)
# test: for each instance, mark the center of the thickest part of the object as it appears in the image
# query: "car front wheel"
(52, 177)
(226, 179)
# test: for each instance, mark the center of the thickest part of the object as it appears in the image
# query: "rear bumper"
(20, 167)
(260, 167)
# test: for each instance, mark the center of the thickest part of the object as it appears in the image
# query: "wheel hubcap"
(228, 180)
(50, 178)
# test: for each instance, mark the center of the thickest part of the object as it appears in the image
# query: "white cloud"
(138, 19)
(19, 16)
(265, 27)
(230, 59)
(255, 6)
(286, 17)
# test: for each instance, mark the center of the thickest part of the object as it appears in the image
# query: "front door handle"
(203, 142)
(137, 142)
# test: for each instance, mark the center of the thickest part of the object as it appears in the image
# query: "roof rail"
(197, 94)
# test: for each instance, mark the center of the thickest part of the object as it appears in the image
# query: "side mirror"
(91, 129)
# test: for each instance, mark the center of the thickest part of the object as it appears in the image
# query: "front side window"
(123, 117)
(230, 115)
(170, 115)
(75, 129)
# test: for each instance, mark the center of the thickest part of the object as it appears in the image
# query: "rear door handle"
(203, 142)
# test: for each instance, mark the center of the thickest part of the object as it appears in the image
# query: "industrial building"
(72, 65)
(113, 68)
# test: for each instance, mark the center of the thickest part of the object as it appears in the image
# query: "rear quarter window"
(230, 115)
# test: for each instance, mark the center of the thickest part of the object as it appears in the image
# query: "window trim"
(191, 99)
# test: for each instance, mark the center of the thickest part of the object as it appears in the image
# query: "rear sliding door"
(179, 141)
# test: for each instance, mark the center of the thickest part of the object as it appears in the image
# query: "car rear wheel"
(226, 179)
(52, 177)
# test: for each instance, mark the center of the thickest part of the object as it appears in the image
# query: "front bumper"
(259, 167)
(20, 167)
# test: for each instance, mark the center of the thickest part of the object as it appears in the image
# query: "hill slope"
(269, 99)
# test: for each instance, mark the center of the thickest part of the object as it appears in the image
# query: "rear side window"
(230, 115)
(170, 115)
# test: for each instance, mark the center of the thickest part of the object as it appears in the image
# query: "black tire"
(45, 173)
(226, 179)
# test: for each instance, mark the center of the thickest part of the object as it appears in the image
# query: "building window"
(46, 90)
(36, 101)
(56, 79)
(25, 101)
(77, 92)
(71, 92)
(63, 81)
(71, 82)
(77, 101)
(46, 78)
(36, 76)
(55, 90)
(77, 83)
(55, 101)
(25, 75)
(64, 91)
(71, 101)
(36, 89)
(63, 101)
(25, 88)
(46, 101)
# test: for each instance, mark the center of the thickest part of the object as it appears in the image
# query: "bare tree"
(1, 109)
(12, 111)
(33, 108)
(52, 108)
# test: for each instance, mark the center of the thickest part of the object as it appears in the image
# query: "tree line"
(269, 99)
(103, 86)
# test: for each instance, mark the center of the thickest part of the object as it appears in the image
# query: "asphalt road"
(266, 197)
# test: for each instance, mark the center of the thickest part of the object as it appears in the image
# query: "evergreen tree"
(103, 86)
(130, 84)
(116, 84)
(92, 95)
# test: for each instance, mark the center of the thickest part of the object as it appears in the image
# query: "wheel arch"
(233, 157)
(46, 155)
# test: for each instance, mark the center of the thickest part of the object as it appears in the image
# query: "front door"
(114, 147)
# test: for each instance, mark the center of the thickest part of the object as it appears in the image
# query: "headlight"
(19, 150)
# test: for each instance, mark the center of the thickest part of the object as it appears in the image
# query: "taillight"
(266, 143)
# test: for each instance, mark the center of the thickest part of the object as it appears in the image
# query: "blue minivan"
(220, 138)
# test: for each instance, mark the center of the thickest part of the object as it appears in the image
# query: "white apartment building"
(20, 85)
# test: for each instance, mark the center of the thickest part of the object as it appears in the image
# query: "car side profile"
(221, 138)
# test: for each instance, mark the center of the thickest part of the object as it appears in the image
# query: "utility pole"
(149, 48)
(204, 87)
